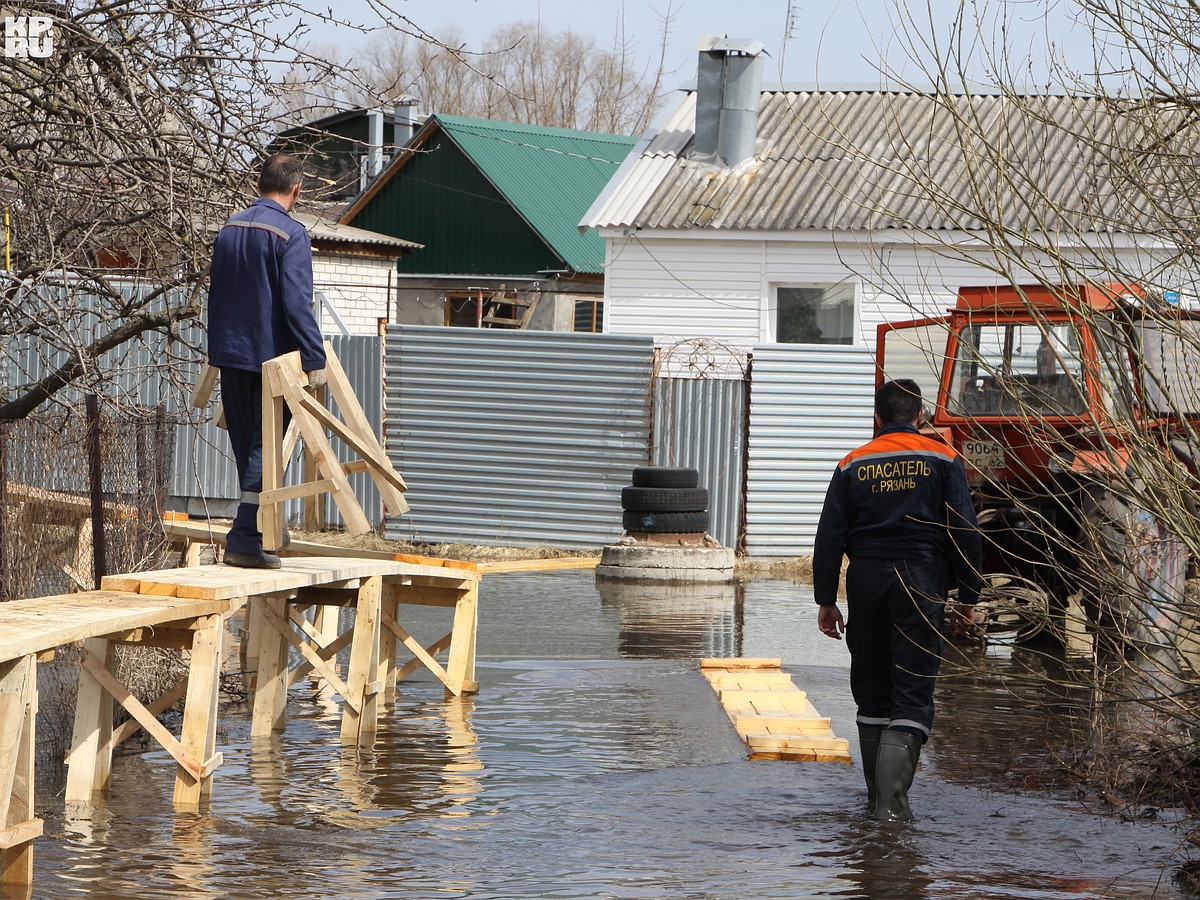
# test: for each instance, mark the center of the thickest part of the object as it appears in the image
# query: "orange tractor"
(1074, 409)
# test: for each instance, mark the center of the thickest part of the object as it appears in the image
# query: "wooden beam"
(540, 565)
(153, 727)
(198, 734)
(326, 596)
(16, 835)
(89, 761)
(314, 658)
(327, 654)
(18, 823)
(205, 385)
(740, 663)
(270, 692)
(153, 636)
(359, 724)
(323, 454)
(416, 662)
(296, 491)
(388, 481)
(461, 663)
(270, 515)
(14, 697)
(415, 648)
(130, 727)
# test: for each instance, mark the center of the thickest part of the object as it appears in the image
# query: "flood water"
(596, 762)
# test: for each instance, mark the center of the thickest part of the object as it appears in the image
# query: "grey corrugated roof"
(325, 230)
(876, 159)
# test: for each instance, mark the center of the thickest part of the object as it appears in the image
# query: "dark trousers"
(894, 631)
(241, 395)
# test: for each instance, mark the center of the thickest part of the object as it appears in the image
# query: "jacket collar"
(893, 427)
(270, 204)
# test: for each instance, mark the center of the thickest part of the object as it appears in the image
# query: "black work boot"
(894, 770)
(259, 560)
(868, 742)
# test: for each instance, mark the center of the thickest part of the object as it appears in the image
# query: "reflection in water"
(664, 621)
(580, 772)
(193, 864)
(884, 862)
(424, 762)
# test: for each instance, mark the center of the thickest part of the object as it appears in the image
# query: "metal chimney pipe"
(406, 120)
(373, 164)
(709, 75)
(738, 128)
(728, 88)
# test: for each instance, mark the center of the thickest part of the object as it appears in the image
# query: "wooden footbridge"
(188, 608)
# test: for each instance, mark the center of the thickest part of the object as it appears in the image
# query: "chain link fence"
(81, 496)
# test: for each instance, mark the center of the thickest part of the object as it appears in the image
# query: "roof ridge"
(547, 130)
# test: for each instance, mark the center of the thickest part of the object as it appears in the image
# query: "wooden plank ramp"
(771, 714)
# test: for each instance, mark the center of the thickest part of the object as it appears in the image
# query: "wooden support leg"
(461, 664)
(359, 726)
(199, 735)
(270, 695)
(191, 552)
(18, 827)
(325, 624)
(89, 761)
(387, 643)
(270, 515)
(252, 632)
(80, 570)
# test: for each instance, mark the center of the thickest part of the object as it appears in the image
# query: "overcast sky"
(829, 41)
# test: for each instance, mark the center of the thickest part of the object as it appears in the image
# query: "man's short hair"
(279, 174)
(898, 401)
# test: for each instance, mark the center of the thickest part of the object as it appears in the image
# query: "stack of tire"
(664, 500)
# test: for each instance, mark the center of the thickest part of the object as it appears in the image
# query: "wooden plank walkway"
(188, 608)
(190, 537)
(771, 714)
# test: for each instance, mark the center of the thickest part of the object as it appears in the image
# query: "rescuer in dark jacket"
(260, 306)
(900, 509)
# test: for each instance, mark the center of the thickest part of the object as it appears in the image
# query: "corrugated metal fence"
(515, 437)
(699, 423)
(523, 438)
(809, 406)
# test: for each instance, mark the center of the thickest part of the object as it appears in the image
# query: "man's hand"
(961, 618)
(830, 621)
(317, 378)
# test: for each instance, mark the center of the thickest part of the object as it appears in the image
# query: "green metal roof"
(551, 176)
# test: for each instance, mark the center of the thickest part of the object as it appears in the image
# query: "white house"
(812, 215)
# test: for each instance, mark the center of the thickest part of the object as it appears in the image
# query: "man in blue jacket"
(900, 508)
(260, 306)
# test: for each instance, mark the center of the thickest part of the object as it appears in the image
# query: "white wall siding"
(679, 289)
(721, 287)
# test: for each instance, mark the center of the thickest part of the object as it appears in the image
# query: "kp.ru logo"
(27, 37)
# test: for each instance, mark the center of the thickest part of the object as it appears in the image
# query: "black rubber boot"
(894, 770)
(868, 742)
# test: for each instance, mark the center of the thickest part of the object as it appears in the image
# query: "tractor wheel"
(1012, 609)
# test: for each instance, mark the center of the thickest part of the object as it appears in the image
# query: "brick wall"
(356, 286)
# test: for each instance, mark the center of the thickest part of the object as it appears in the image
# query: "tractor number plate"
(983, 456)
